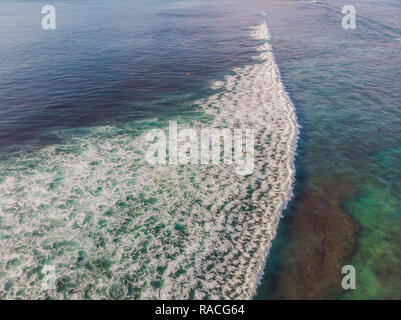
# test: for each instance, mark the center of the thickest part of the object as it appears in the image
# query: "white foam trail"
(255, 97)
(115, 227)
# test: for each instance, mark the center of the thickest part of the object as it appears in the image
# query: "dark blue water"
(114, 61)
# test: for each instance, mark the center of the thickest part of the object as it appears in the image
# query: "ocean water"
(76, 104)
(76, 191)
(346, 209)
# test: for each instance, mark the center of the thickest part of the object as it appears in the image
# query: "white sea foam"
(115, 227)
(217, 85)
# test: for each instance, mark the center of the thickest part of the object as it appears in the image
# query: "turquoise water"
(345, 86)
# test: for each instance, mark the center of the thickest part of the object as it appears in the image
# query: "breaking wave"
(115, 227)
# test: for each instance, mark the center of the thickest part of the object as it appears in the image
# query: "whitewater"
(116, 227)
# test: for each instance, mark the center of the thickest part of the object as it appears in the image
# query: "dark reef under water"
(346, 208)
